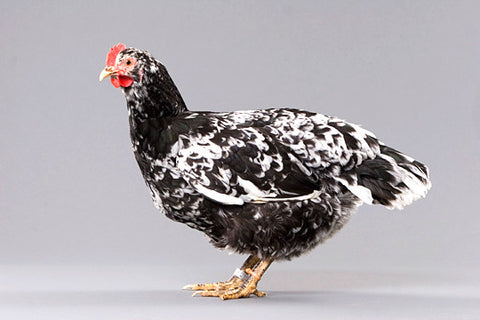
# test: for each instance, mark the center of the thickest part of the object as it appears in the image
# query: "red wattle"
(122, 81)
(125, 81)
(115, 81)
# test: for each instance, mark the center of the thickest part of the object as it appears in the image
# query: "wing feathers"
(288, 155)
(249, 198)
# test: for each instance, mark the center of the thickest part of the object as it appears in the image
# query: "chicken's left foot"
(241, 292)
(233, 283)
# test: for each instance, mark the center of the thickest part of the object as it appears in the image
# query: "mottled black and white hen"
(272, 183)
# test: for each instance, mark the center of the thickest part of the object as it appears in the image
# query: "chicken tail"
(394, 179)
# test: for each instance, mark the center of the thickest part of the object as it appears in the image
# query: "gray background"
(76, 220)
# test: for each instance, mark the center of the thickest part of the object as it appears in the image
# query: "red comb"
(112, 55)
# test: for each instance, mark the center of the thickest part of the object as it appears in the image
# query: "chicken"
(271, 183)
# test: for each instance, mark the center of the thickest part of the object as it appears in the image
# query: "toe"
(208, 293)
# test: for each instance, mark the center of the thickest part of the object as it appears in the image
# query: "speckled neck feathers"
(153, 101)
(153, 94)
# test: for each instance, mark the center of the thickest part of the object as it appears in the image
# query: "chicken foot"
(242, 284)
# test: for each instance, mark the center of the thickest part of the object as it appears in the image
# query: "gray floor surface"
(53, 292)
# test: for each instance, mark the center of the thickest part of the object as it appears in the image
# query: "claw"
(188, 286)
(260, 293)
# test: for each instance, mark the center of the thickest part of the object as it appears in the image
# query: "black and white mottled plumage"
(274, 183)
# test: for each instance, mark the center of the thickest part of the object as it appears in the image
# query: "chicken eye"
(129, 62)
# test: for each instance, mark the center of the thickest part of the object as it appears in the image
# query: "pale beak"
(108, 71)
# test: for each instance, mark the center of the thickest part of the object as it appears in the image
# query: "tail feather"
(394, 179)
